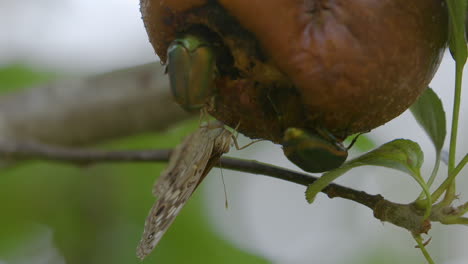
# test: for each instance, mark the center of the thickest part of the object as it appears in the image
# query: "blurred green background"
(56, 213)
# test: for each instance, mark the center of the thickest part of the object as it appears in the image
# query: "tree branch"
(406, 216)
(90, 110)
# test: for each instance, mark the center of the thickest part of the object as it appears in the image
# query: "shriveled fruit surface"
(346, 66)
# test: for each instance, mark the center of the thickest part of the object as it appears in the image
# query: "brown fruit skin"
(344, 65)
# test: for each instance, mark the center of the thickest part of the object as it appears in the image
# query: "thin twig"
(332, 190)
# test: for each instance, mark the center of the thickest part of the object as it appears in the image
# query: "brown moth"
(189, 163)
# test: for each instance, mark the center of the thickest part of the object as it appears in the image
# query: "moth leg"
(235, 135)
(236, 143)
(204, 119)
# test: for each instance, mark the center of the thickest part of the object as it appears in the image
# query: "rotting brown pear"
(345, 66)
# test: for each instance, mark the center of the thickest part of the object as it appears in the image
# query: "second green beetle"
(313, 153)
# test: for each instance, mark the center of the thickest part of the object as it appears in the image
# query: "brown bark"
(89, 110)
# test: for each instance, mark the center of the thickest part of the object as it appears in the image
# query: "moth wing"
(206, 145)
(179, 163)
(174, 188)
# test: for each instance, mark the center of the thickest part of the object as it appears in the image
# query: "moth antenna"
(226, 203)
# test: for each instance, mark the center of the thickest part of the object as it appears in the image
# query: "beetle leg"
(353, 141)
(326, 135)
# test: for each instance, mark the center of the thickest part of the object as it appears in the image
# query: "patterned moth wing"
(189, 163)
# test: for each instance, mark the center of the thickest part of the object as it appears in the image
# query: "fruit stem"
(456, 114)
(450, 193)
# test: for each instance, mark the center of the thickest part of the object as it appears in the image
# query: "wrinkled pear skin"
(347, 66)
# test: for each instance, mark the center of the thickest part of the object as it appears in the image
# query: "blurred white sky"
(73, 35)
(268, 216)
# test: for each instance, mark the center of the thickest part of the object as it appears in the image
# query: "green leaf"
(429, 112)
(400, 154)
(457, 40)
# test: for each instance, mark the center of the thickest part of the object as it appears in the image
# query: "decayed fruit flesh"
(347, 66)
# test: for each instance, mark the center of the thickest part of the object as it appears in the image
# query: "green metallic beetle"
(192, 69)
(313, 153)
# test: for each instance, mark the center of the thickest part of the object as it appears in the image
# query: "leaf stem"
(461, 165)
(435, 170)
(437, 193)
(428, 200)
